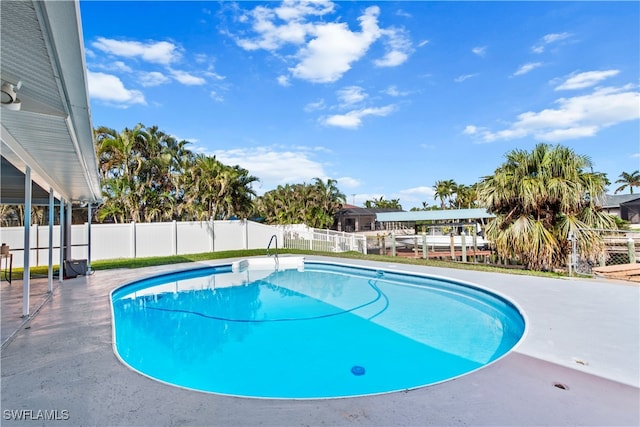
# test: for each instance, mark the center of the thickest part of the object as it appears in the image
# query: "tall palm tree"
(444, 189)
(539, 198)
(628, 180)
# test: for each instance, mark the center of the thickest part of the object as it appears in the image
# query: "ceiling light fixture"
(9, 98)
(8, 93)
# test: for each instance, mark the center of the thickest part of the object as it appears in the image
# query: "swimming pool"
(308, 329)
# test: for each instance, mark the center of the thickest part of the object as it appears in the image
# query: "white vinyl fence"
(138, 240)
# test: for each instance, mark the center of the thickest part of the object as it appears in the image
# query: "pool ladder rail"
(274, 239)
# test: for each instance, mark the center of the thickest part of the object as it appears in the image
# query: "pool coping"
(583, 334)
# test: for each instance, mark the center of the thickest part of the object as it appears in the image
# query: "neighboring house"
(624, 206)
(353, 218)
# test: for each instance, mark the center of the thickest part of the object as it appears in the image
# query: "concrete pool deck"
(582, 333)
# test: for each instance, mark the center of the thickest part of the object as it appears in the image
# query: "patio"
(583, 334)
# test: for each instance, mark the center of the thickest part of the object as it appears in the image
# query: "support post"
(133, 239)
(452, 246)
(174, 237)
(50, 257)
(425, 253)
(393, 244)
(61, 267)
(67, 232)
(26, 284)
(89, 238)
(631, 249)
(475, 244)
(463, 239)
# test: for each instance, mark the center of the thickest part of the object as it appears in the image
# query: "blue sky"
(386, 97)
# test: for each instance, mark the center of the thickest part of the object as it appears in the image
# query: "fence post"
(212, 245)
(572, 239)
(393, 244)
(133, 239)
(245, 232)
(425, 254)
(174, 237)
(475, 244)
(452, 246)
(463, 239)
(631, 249)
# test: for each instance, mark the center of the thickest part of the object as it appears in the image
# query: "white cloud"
(527, 67)
(393, 91)
(470, 130)
(398, 46)
(419, 191)
(153, 78)
(335, 47)
(298, 9)
(551, 38)
(109, 88)
(353, 119)
(480, 50)
(274, 166)
(186, 78)
(324, 50)
(283, 81)
(351, 95)
(216, 96)
(348, 182)
(576, 117)
(586, 79)
(548, 39)
(156, 52)
(464, 77)
(315, 106)
(423, 43)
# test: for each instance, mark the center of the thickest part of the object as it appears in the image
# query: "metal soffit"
(49, 128)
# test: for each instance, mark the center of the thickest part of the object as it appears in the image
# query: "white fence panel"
(154, 239)
(110, 241)
(194, 237)
(79, 242)
(260, 235)
(229, 235)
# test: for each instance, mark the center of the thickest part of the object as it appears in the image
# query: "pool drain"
(357, 370)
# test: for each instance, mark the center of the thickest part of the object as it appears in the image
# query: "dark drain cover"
(357, 370)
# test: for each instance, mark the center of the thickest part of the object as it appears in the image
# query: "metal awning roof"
(41, 46)
(436, 215)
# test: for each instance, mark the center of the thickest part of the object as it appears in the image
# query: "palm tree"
(312, 204)
(466, 196)
(539, 198)
(628, 180)
(444, 190)
(381, 203)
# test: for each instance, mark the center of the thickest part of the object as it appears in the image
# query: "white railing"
(299, 236)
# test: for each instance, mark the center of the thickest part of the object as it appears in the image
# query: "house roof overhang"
(50, 129)
(434, 215)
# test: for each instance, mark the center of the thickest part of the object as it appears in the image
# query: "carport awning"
(436, 215)
(50, 129)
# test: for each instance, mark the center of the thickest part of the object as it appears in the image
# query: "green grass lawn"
(153, 261)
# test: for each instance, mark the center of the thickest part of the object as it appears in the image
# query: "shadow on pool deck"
(64, 361)
(11, 300)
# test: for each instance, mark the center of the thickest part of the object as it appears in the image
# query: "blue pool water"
(326, 331)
